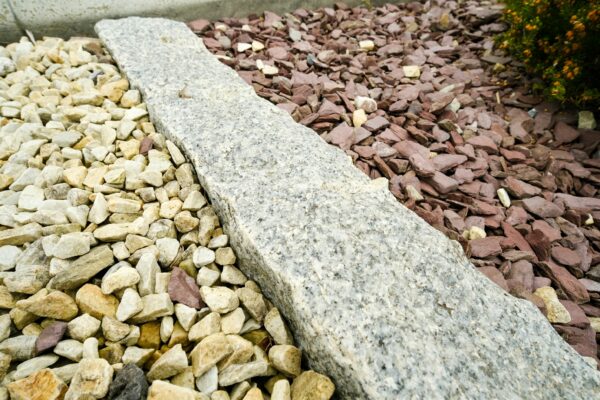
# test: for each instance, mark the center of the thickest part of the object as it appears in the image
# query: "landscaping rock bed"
(118, 281)
(417, 93)
(385, 304)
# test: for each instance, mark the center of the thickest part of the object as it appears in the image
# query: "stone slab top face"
(380, 301)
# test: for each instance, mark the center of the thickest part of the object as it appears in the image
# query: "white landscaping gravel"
(116, 272)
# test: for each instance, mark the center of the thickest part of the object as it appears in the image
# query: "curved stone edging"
(382, 302)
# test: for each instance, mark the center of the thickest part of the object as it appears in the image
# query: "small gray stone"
(129, 384)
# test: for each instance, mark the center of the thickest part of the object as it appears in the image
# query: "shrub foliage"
(558, 41)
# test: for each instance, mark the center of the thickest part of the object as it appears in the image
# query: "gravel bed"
(117, 281)
(418, 94)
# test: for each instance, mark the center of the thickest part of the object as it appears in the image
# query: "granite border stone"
(380, 301)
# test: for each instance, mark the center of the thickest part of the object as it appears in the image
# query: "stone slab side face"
(9, 29)
(385, 304)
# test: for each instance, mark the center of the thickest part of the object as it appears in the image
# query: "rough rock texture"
(421, 320)
(113, 302)
(463, 141)
(129, 384)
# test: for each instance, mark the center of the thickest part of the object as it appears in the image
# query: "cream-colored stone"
(83, 327)
(281, 390)
(114, 330)
(121, 278)
(219, 299)
(557, 313)
(208, 325)
(169, 364)
(55, 304)
(286, 359)
(411, 71)
(161, 390)
(209, 352)
(130, 305)
(311, 385)
(233, 322)
(91, 380)
(41, 385)
(91, 300)
(277, 328)
(359, 117)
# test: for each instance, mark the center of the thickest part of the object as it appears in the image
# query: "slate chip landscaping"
(419, 94)
(118, 281)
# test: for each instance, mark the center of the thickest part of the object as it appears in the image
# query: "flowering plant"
(559, 41)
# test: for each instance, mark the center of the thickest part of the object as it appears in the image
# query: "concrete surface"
(77, 17)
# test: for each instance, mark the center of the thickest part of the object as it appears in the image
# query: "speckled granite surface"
(380, 301)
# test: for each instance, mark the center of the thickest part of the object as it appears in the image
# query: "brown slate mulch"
(447, 139)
